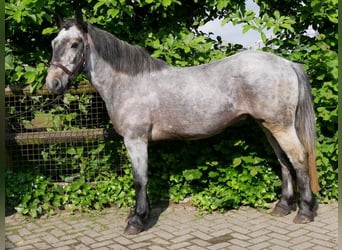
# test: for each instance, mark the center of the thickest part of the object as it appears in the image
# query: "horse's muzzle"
(56, 85)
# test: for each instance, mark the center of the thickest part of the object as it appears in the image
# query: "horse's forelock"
(68, 23)
(71, 22)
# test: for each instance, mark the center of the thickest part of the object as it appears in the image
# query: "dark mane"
(122, 56)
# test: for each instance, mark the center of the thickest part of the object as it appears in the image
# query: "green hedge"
(223, 172)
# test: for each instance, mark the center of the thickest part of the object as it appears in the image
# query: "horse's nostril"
(56, 83)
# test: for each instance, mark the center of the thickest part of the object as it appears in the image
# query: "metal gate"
(63, 137)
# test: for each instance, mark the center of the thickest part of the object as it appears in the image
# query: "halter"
(81, 64)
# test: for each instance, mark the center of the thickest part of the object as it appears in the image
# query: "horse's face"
(67, 58)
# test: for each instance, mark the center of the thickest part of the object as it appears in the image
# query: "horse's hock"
(51, 134)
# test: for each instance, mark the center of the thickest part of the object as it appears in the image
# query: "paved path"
(175, 227)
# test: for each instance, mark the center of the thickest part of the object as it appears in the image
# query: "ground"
(175, 227)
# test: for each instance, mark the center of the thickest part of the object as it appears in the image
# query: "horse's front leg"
(137, 150)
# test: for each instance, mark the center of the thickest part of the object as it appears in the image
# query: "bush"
(35, 195)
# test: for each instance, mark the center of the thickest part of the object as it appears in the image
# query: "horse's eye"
(74, 45)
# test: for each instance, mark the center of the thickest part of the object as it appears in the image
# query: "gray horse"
(149, 100)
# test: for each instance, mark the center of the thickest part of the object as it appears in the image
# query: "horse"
(149, 100)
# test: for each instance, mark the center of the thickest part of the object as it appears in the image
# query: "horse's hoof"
(133, 229)
(302, 219)
(280, 212)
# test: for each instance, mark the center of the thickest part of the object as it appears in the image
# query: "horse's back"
(247, 82)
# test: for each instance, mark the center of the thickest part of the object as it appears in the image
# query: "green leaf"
(263, 37)
(113, 12)
(166, 3)
(237, 162)
(17, 16)
(277, 14)
(246, 28)
(221, 4)
(9, 65)
(249, 15)
(33, 212)
(48, 31)
(192, 174)
(213, 174)
(254, 171)
(287, 26)
(71, 151)
(30, 76)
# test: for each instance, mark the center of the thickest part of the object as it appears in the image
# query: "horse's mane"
(122, 56)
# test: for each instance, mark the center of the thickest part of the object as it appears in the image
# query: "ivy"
(35, 195)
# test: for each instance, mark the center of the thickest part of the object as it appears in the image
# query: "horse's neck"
(105, 77)
(101, 74)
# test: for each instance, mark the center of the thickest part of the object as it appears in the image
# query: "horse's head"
(69, 53)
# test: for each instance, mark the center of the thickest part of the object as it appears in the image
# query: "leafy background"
(223, 172)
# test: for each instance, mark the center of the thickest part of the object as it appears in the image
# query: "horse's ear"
(58, 20)
(79, 20)
(79, 17)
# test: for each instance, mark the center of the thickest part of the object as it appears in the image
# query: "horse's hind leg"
(287, 202)
(290, 144)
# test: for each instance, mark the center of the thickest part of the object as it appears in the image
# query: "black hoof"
(133, 229)
(303, 219)
(281, 210)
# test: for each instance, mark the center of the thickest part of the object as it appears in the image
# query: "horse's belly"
(192, 129)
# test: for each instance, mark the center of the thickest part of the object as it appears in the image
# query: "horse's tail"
(305, 124)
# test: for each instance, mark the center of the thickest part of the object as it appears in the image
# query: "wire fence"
(62, 137)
